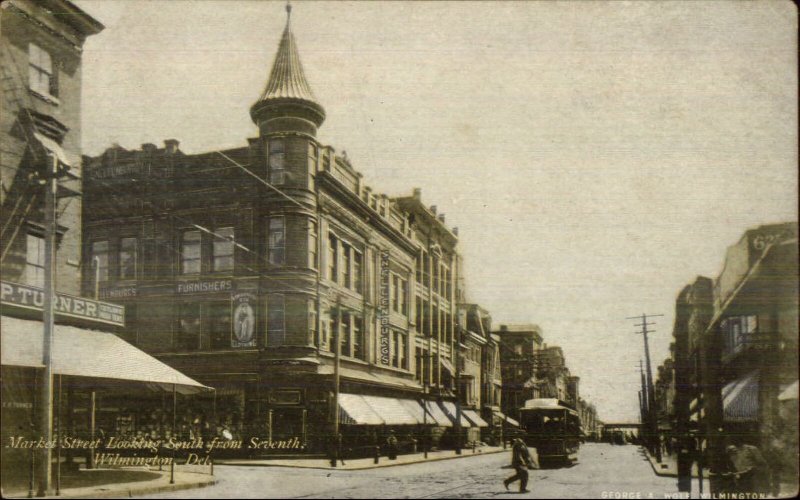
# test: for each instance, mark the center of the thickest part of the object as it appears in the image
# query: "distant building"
(519, 349)
(481, 383)
(553, 372)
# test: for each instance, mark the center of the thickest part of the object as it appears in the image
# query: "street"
(617, 471)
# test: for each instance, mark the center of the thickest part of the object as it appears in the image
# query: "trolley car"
(553, 428)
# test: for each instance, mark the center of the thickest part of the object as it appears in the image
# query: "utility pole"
(337, 359)
(655, 447)
(46, 394)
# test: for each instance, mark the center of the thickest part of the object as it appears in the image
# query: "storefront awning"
(740, 399)
(80, 352)
(505, 418)
(435, 412)
(391, 411)
(447, 365)
(354, 410)
(476, 419)
(450, 410)
(789, 392)
(415, 409)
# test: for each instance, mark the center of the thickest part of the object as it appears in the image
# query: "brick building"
(241, 267)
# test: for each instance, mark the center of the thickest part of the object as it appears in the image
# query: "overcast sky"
(596, 157)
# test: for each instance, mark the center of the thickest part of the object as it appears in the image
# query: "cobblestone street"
(601, 468)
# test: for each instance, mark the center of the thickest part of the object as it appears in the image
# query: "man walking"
(520, 461)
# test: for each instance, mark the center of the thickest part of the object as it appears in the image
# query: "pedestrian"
(748, 468)
(520, 461)
(391, 446)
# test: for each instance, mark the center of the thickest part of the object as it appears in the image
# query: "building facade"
(243, 267)
(519, 348)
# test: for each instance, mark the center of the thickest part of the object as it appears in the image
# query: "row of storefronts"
(732, 375)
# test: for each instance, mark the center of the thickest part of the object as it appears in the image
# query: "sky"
(595, 156)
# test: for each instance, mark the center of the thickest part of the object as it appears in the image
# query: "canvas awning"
(788, 392)
(506, 418)
(447, 365)
(450, 410)
(415, 409)
(740, 399)
(435, 411)
(391, 411)
(80, 352)
(53, 147)
(353, 409)
(473, 417)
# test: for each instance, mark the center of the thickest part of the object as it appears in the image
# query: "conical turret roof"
(287, 80)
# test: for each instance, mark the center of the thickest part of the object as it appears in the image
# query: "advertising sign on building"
(31, 297)
(243, 319)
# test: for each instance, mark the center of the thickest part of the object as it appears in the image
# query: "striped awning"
(450, 410)
(505, 418)
(473, 417)
(391, 411)
(435, 412)
(354, 410)
(415, 409)
(740, 399)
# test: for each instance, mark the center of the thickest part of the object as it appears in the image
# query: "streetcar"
(553, 428)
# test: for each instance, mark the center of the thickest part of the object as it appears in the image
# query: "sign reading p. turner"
(31, 297)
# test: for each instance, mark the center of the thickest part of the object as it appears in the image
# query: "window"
(127, 258)
(395, 293)
(344, 335)
(325, 334)
(312, 321)
(190, 252)
(100, 260)
(312, 164)
(333, 257)
(277, 240)
(276, 320)
(399, 359)
(347, 255)
(313, 257)
(358, 280)
(34, 261)
(358, 338)
(404, 297)
(223, 249)
(219, 324)
(518, 349)
(189, 323)
(40, 72)
(277, 159)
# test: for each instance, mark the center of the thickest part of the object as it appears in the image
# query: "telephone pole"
(652, 412)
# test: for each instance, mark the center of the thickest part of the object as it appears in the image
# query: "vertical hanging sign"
(243, 319)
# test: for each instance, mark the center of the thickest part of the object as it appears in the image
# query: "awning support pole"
(58, 443)
(92, 416)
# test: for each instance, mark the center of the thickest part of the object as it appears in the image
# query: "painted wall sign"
(210, 286)
(243, 319)
(31, 297)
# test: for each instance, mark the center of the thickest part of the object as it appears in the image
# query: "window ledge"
(45, 97)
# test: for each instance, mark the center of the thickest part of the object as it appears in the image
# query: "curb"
(365, 467)
(144, 490)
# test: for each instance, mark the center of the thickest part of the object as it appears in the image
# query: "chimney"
(148, 147)
(455, 231)
(441, 218)
(171, 145)
(433, 209)
(417, 193)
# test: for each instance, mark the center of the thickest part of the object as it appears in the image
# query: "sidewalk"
(364, 463)
(121, 482)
